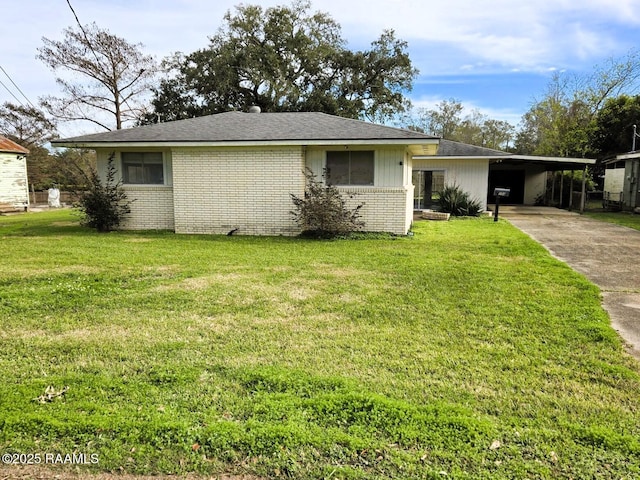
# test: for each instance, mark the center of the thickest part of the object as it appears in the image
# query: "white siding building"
(14, 186)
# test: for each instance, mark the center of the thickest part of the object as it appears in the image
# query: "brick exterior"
(383, 210)
(216, 190)
(219, 190)
(151, 208)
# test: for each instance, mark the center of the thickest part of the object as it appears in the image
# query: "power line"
(18, 88)
(11, 93)
(84, 33)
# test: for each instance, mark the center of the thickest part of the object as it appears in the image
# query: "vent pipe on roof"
(254, 109)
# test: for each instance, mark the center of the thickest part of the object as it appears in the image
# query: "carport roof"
(550, 163)
(456, 150)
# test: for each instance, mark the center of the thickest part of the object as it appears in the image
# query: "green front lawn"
(465, 351)
(626, 219)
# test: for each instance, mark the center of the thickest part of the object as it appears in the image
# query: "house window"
(142, 168)
(350, 168)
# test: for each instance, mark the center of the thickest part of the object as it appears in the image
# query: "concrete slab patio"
(607, 254)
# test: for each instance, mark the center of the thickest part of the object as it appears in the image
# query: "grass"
(465, 351)
(626, 219)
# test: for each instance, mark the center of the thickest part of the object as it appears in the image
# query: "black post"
(495, 215)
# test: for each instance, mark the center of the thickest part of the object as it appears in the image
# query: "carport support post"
(571, 192)
(561, 186)
(584, 188)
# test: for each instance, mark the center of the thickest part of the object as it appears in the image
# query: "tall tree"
(286, 58)
(26, 125)
(104, 78)
(561, 123)
(613, 132)
(29, 127)
(443, 120)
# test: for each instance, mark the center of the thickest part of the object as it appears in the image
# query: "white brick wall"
(216, 190)
(384, 209)
(219, 190)
(151, 208)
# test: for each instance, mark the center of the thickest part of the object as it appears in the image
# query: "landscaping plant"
(323, 212)
(452, 199)
(103, 204)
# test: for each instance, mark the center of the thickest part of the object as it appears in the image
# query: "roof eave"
(628, 156)
(252, 143)
(579, 161)
(457, 157)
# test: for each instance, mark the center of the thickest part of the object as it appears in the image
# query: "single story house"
(621, 182)
(14, 185)
(236, 171)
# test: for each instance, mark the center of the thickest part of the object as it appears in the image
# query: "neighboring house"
(621, 182)
(14, 186)
(235, 170)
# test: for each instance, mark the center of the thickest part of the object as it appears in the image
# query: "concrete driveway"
(607, 254)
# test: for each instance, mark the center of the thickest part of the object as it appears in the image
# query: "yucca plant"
(452, 199)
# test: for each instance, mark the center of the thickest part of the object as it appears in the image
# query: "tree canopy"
(447, 121)
(613, 130)
(104, 78)
(286, 58)
(26, 125)
(564, 121)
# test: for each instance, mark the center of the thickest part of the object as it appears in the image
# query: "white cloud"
(528, 35)
(456, 37)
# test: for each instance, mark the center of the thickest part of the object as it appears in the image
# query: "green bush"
(322, 212)
(452, 199)
(104, 204)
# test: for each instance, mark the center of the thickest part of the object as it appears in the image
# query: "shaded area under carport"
(516, 171)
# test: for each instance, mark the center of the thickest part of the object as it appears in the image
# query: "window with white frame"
(142, 168)
(350, 167)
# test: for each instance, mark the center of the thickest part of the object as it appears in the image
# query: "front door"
(428, 184)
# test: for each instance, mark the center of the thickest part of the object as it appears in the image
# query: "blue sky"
(493, 55)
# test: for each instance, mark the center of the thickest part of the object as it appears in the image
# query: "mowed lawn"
(464, 351)
(626, 219)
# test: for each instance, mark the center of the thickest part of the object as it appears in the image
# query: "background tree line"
(291, 58)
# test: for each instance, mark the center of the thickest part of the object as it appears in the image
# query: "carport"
(479, 170)
(526, 177)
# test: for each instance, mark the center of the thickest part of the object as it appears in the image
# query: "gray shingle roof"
(255, 127)
(447, 148)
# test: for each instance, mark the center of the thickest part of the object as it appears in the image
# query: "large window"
(142, 168)
(350, 167)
